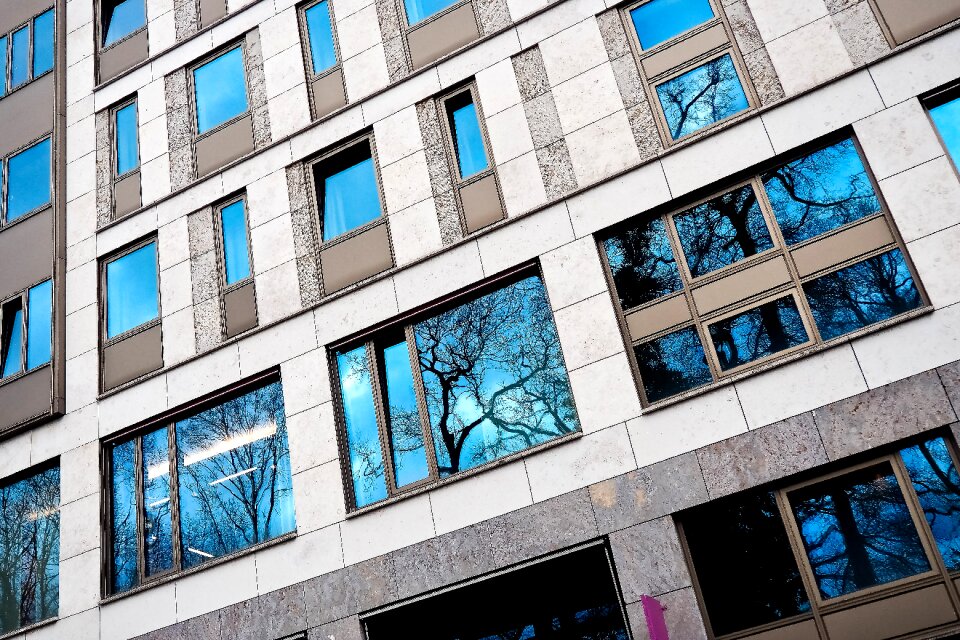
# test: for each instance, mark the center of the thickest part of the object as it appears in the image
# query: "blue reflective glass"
(762, 331)
(937, 484)
(123, 516)
(20, 57)
(157, 512)
(862, 294)
(12, 341)
(39, 319)
(28, 180)
(418, 10)
(702, 96)
(659, 20)
(125, 126)
(406, 433)
(672, 364)
(350, 199)
(30, 550)
(43, 43)
(221, 90)
(471, 156)
(233, 470)
(3, 66)
(642, 264)
(236, 257)
(820, 192)
(322, 53)
(122, 18)
(360, 418)
(132, 290)
(947, 118)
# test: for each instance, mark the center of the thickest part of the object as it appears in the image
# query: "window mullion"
(141, 514)
(800, 558)
(378, 384)
(176, 551)
(421, 396)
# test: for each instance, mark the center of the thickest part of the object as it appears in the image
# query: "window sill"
(30, 627)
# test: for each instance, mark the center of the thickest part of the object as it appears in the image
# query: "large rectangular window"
(120, 18)
(199, 486)
(26, 175)
(130, 282)
(802, 254)
(347, 190)
(443, 394)
(25, 330)
(220, 90)
(27, 52)
(30, 549)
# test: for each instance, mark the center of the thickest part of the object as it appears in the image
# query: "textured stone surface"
(628, 81)
(104, 193)
(886, 414)
(439, 170)
(179, 131)
(950, 377)
(200, 232)
(492, 15)
(304, 224)
(743, 26)
(175, 89)
(297, 189)
(203, 271)
(556, 169)
(764, 76)
(644, 129)
(835, 6)
(343, 593)
(759, 456)
(308, 274)
(531, 74)
(207, 323)
(281, 612)
(680, 612)
(861, 33)
(186, 18)
(343, 629)
(417, 568)
(648, 493)
(430, 129)
(389, 19)
(397, 65)
(649, 559)
(543, 120)
(257, 87)
(464, 553)
(614, 35)
(449, 216)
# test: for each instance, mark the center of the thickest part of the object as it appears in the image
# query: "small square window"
(125, 132)
(220, 90)
(120, 18)
(131, 290)
(347, 190)
(672, 364)
(660, 20)
(323, 54)
(702, 96)
(28, 180)
(420, 10)
(642, 264)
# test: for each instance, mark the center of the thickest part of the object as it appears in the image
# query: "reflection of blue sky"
(753, 334)
(659, 20)
(12, 357)
(126, 130)
(322, 53)
(221, 91)
(123, 18)
(236, 258)
(158, 531)
(406, 434)
(123, 483)
(3, 66)
(132, 290)
(40, 316)
(43, 43)
(418, 10)
(20, 58)
(28, 182)
(471, 155)
(642, 263)
(350, 199)
(363, 438)
(937, 483)
(702, 96)
(672, 364)
(947, 119)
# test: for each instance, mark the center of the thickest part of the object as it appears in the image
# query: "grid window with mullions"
(27, 52)
(797, 256)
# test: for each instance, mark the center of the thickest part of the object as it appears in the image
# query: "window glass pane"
(20, 58)
(702, 96)
(3, 66)
(132, 290)
(406, 432)
(820, 192)
(494, 377)
(123, 516)
(126, 132)
(39, 318)
(157, 524)
(12, 340)
(43, 43)
(467, 138)
(642, 264)
(121, 18)
(220, 90)
(236, 258)
(672, 364)
(857, 531)
(363, 438)
(418, 10)
(722, 231)
(863, 294)
(937, 484)
(350, 199)
(30, 550)
(744, 564)
(322, 53)
(757, 333)
(659, 20)
(947, 119)
(28, 180)
(233, 469)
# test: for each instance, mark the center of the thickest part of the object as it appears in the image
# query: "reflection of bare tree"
(29, 550)
(700, 97)
(493, 366)
(764, 330)
(937, 483)
(124, 516)
(642, 263)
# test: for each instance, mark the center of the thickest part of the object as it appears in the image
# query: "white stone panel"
(617, 150)
(497, 86)
(521, 184)
(809, 56)
(398, 136)
(406, 182)
(377, 532)
(278, 293)
(509, 134)
(923, 199)
(573, 51)
(935, 257)
(486, 495)
(775, 18)
(366, 73)
(524, 239)
(573, 272)
(619, 199)
(605, 393)
(589, 331)
(415, 232)
(897, 139)
(216, 587)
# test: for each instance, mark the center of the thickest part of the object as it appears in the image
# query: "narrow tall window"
(236, 252)
(25, 333)
(657, 21)
(323, 54)
(131, 285)
(20, 57)
(946, 116)
(28, 180)
(12, 335)
(39, 324)
(467, 135)
(348, 193)
(120, 18)
(419, 10)
(3, 66)
(220, 90)
(43, 38)
(125, 131)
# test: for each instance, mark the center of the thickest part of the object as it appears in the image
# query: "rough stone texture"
(556, 169)
(417, 568)
(886, 414)
(438, 170)
(280, 613)
(205, 280)
(464, 553)
(203, 271)
(388, 16)
(644, 128)
(397, 66)
(207, 324)
(308, 274)
(430, 129)
(950, 378)
(836, 6)
(297, 189)
(343, 593)
(649, 559)
(179, 129)
(543, 120)
(764, 76)
(186, 18)
(200, 232)
(531, 74)
(861, 33)
(614, 36)
(648, 493)
(680, 612)
(441, 179)
(744, 27)
(628, 81)
(769, 453)
(492, 15)
(343, 629)
(257, 86)
(449, 216)
(175, 90)
(306, 243)
(104, 168)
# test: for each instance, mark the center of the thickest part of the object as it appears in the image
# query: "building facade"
(480, 319)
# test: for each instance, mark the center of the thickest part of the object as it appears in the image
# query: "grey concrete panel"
(27, 114)
(328, 93)
(224, 146)
(764, 76)
(211, 11)
(126, 194)
(895, 616)
(439, 37)
(649, 559)
(685, 50)
(342, 593)
(481, 203)
(343, 629)
(122, 56)
(950, 377)
(907, 20)
(27, 250)
(680, 612)
(355, 259)
(282, 612)
(417, 569)
(13, 13)
(26, 397)
(240, 310)
(132, 357)
(861, 33)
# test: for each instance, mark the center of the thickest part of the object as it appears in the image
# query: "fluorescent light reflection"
(200, 553)
(158, 470)
(231, 443)
(234, 475)
(158, 503)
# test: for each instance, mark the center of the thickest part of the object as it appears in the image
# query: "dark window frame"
(99, 33)
(937, 98)
(221, 249)
(102, 295)
(239, 43)
(30, 24)
(406, 27)
(114, 140)
(305, 40)
(24, 297)
(5, 180)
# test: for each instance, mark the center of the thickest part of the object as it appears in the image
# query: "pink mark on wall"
(653, 612)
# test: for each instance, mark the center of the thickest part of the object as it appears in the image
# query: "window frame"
(5, 180)
(100, 33)
(102, 296)
(650, 83)
(30, 25)
(135, 434)
(114, 139)
(306, 42)
(406, 27)
(387, 333)
(192, 93)
(24, 297)
(700, 322)
(221, 248)
(936, 98)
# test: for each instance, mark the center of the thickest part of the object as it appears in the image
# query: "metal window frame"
(238, 43)
(307, 53)
(99, 32)
(102, 295)
(115, 141)
(701, 321)
(936, 98)
(221, 247)
(5, 180)
(24, 296)
(12, 304)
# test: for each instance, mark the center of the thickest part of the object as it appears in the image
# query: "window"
(27, 175)
(131, 286)
(30, 548)
(444, 394)
(945, 112)
(27, 52)
(700, 97)
(233, 239)
(26, 330)
(120, 18)
(220, 90)
(199, 486)
(468, 138)
(43, 39)
(902, 22)
(419, 10)
(319, 26)
(876, 528)
(800, 255)
(125, 139)
(347, 190)
(661, 20)
(568, 596)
